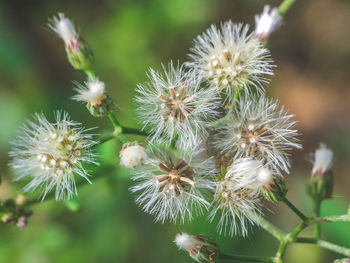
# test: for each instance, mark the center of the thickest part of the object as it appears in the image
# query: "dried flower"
(201, 248)
(172, 185)
(230, 58)
(237, 196)
(132, 155)
(267, 22)
(51, 153)
(257, 128)
(94, 94)
(174, 104)
(78, 51)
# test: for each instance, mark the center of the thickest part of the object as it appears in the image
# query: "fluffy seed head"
(237, 196)
(51, 153)
(172, 186)
(257, 128)
(323, 160)
(174, 104)
(132, 155)
(230, 58)
(64, 28)
(267, 22)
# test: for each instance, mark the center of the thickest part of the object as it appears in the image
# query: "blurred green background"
(311, 49)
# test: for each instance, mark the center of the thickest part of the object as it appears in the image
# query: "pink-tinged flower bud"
(78, 51)
(266, 23)
(22, 222)
(323, 159)
(320, 184)
(273, 187)
(201, 248)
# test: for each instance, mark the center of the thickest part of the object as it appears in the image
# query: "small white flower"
(132, 156)
(64, 28)
(172, 185)
(201, 248)
(51, 153)
(267, 22)
(174, 104)
(237, 196)
(257, 128)
(186, 241)
(323, 160)
(94, 92)
(230, 58)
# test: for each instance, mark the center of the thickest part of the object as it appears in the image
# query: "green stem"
(294, 209)
(324, 244)
(317, 208)
(90, 73)
(285, 6)
(118, 130)
(328, 219)
(225, 256)
(267, 226)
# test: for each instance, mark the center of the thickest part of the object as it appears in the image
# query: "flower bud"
(273, 187)
(266, 23)
(94, 94)
(80, 54)
(320, 184)
(21, 200)
(7, 218)
(344, 260)
(22, 222)
(201, 248)
(132, 155)
(78, 51)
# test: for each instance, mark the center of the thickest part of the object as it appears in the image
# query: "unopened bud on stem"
(320, 184)
(78, 51)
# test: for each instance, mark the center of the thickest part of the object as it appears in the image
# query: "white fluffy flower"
(51, 154)
(186, 241)
(323, 160)
(172, 185)
(174, 104)
(94, 92)
(267, 22)
(237, 196)
(201, 248)
(256, 127)
(64, 28)
(132, 156)
(231, 58)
